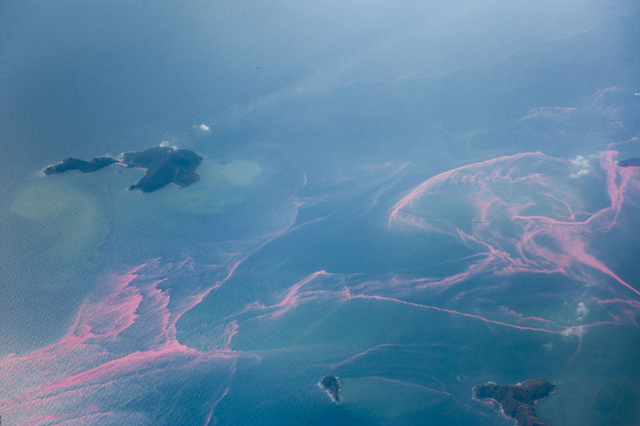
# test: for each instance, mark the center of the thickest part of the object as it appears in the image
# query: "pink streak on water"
(124, 306)
(146, 312)
(453, 312)
(431, 183)
(524, 253)
(403, 383)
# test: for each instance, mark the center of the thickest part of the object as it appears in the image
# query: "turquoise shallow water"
(398, 196)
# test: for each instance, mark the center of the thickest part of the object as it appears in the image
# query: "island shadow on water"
(164, 166)
(517, 401)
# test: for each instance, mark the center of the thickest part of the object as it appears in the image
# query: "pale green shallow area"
(71, 218)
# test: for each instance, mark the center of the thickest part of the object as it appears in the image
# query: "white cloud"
(583, 166)
(579, 173)
(573, 331)
(167, 144)
(204, 127)
(582, 311)
(580, 161)
(550, 112)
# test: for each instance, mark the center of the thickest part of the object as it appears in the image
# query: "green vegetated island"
(517, 401)
(164, 166)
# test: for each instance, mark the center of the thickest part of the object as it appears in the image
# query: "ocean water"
(400, 196)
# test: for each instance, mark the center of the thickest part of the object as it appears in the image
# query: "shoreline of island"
(163, 165)
(516, 402)
(332, 386)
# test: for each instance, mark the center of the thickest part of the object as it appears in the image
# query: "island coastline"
(163, 166)
(516, 402)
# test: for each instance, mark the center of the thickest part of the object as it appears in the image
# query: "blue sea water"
(285, 263)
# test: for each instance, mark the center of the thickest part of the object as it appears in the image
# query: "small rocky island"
(164, 166)
(630, 162)
(332, 386)
(83, 166)
(517, 401)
